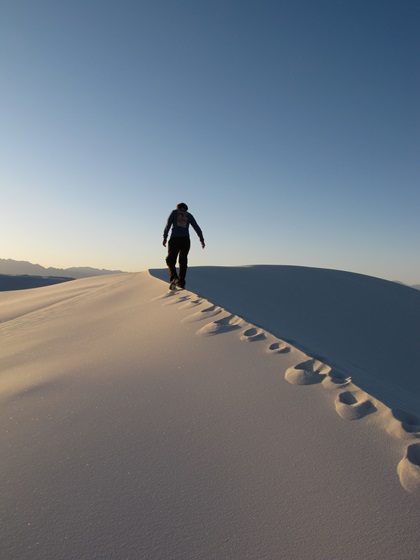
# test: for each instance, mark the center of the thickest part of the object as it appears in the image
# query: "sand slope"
(367, 327)
(141, 424)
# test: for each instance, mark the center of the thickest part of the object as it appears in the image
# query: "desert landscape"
(266, 412)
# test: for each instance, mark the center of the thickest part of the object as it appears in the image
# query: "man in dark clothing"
(179, 243)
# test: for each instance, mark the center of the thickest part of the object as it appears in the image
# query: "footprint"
(164, 296)
(253, 334)
(306, 373)
(336, 380)
(203, 314)
(177, 300)
(402, 424)
(350, 408)
(192, 303)
(224, 325)
(278, 348)
(409, 468)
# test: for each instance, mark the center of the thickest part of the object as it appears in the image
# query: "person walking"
(179, 243)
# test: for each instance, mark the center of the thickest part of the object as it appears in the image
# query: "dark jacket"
(180, 221)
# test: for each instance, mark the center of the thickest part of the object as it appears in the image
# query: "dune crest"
(364, 327)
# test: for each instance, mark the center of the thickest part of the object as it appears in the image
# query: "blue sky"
(291, 129)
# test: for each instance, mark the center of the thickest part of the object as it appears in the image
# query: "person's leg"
(183, 260)
(173, 250)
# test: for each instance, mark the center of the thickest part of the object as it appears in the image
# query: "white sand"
(139, 424)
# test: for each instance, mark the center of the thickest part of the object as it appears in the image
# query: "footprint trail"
(350, 402)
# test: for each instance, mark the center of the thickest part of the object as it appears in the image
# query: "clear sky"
(290, 128)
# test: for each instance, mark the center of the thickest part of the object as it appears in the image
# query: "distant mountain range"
(15, 268)
(10, 266)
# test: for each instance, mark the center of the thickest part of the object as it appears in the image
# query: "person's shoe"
(173, 284)
(181, 284)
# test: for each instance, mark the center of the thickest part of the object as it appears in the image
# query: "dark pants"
(178, 247)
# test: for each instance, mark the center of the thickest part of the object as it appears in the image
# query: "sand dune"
(366, 327)
(270, 413)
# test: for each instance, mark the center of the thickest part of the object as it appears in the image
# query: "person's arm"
(197, 230)
(168, 227)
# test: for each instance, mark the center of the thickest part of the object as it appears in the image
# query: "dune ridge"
(365, 327)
